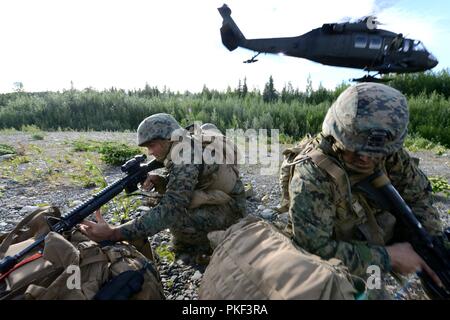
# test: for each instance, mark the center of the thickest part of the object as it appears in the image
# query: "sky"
(53, 45)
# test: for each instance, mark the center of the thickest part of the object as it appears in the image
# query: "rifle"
(136, 173)
(431, 249)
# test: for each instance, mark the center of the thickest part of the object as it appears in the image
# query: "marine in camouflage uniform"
(328, 216)
(181, 183)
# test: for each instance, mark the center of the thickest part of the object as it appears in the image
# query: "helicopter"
(359, 45)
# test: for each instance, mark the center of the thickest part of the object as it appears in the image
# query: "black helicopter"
(351, 44)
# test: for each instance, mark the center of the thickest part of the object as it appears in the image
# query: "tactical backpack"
(253, 260)
(306, 150)
(214, 188)
(71, 266)
(289, 161)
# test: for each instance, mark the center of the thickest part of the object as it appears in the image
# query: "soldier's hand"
(405, 260)
(100, 230)
(151, 181)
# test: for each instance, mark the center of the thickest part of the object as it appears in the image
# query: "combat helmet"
(369, 118)
(208, 126)
(210, 129)
(157, 126)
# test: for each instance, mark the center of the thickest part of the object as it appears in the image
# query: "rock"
(284, 217)
(75, 203)
(197, 276)
(268, 214)
(249, 190)
(28, 209)
(143, 208)
(6, 157)
(184, 258)
(261, 208)
(3, 224)
(265, 199)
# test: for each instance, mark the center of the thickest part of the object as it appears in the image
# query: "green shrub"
(439, 184)
(416, 143)
(89, 175)
(82, 145)
(427, 82)
(6, 149)
(37, 136)
(8, 131)
(30, 128)
(164, 252)
(115, 153)
(284, 139)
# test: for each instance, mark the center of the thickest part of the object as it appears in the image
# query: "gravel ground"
(180, 277)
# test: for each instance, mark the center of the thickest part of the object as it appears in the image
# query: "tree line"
(294, 112)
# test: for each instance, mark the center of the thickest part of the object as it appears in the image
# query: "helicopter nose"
(432, 61)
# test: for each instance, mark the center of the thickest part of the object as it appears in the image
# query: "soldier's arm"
(414, 187)
(164, 180)
(313, 214)
(181, 183)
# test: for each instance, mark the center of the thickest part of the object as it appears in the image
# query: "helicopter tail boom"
(232, 37)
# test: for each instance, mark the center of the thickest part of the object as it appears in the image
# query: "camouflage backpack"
(254, 261)
(72, 267)
(288, 163)
(307, 149)
(213, 188)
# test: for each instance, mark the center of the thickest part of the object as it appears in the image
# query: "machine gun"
(136, 173)
(432, 249)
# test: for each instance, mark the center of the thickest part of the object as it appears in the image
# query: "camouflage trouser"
(190, 233)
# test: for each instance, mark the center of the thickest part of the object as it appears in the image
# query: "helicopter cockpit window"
(360, 41)
(375, 43)
(418, 46)
(406, 45)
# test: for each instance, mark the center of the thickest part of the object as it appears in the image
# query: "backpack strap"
(10, 237)
(330, 166)
(21, 263)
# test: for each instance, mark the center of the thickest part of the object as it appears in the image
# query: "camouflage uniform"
(189, 226)
(349, 226)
